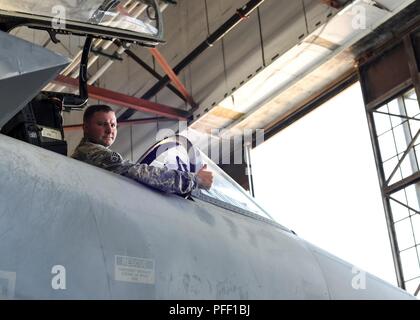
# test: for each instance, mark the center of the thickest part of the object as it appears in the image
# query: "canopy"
(130, 20)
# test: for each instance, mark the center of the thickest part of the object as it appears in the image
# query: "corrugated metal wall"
(275, 27)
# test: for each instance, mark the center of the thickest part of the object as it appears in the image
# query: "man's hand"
(204, 178)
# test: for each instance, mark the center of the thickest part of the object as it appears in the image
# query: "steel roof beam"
(240, 15)
(126, 101)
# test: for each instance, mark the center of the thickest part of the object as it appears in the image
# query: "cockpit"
(39, 122)
(36, 115)
(177, 152)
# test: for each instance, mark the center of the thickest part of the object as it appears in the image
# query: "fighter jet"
(69, 230)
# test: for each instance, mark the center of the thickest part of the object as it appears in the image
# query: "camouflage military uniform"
(171, 181)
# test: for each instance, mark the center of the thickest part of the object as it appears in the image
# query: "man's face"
(101, 128)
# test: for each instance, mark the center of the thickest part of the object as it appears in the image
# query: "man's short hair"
(95, 108)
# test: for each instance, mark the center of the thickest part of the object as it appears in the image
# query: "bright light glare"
(318, 178)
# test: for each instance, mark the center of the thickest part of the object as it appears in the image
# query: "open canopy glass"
(177, 152)
(130, 20)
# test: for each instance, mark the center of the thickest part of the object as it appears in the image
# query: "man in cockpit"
(100, 131)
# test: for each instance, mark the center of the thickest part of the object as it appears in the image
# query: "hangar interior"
(231, 70)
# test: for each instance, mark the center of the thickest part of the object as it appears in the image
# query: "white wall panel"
(115, 79)
(317, 13)
(72, 138)
(123, 142)
(132, 141)
(207, 76)
(282, 26)
(145, 135)
(167, 97)
(194, 23)
(138, 79)
(221, 10)
(243, 52)
(185, 27)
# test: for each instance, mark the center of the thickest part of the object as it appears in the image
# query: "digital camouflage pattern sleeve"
(170, 181)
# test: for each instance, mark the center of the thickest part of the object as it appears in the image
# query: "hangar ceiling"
(269, 65)
(324, 57)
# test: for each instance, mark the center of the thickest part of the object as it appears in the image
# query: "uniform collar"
(87, 140)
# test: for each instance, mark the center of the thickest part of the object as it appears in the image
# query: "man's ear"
(85, 128)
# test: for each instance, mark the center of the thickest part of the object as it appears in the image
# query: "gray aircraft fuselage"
(69, 230)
